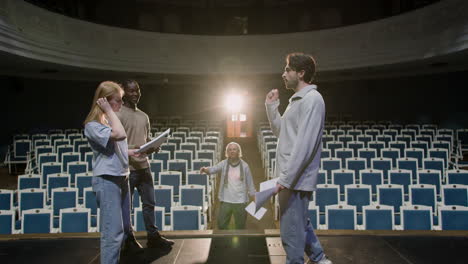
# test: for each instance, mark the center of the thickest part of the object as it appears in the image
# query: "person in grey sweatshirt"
(299, 131)
(235, 187)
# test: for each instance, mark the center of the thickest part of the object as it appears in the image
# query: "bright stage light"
(233, 103)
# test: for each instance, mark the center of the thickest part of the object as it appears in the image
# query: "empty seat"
(383, 164)
(423, 194)
(342, 178)
(31, 199)
(64, 198)
(28, 181)
(457, 177)
(378, 217)
(356, 165)
(390, 194)
(430, 177)
(6, 199)
(326, 194)
(454, 194)
(371, 177)
(416, 217)
(186, 218)
(340, 217)
(453, 217)
(7, 222)
(36, 221)
(74, 220)
(358, 195)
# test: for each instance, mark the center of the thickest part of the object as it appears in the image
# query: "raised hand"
(204, 170)
(104, 105)
(272, 96)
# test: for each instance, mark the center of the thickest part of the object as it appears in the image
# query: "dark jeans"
(143, 181)
(226, 210)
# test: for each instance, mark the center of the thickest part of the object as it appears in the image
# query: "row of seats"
(66, 198)
(388, 165)
(360, 195)
(383, 217)
(77, 220)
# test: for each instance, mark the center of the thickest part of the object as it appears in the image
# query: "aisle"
(252, 156)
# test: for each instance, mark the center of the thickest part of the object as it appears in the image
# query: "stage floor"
(225, 248)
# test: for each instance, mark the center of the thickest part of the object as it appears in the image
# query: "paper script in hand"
(251, 210)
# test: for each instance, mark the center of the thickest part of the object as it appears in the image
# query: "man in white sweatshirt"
(299, 131)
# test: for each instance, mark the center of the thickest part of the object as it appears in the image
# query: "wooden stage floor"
(386, 247)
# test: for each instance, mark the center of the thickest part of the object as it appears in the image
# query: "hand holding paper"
(155, 143)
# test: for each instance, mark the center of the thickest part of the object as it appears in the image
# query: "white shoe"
(325, 260)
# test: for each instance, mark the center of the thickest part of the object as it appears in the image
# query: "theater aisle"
(252, 156)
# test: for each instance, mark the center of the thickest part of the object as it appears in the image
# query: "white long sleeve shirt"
(299, 133)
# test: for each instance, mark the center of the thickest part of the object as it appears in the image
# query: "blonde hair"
(105, 89)
(238, 147)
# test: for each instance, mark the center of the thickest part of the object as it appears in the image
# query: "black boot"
(158, 241)
(131, 245)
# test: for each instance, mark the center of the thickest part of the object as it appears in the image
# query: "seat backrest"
(416, 217)
(36, 221)
(28, 181)
(163, 195)
(7, 222)
(457, 176)
(358, 195)
(390, 194)
(172, 178)
(371, 177)
(177, 165)
(455, 194)
(74, 220)
(430, 177)
(326, 194)
(6, 199)
(89, 200)
(401, 177)
(31, 199)
(163, 156)
(199, 163)
(453, 217)
(340, 217)
(192, 195)
(423, 194)
(57, 180)
(64, 198)
(186, 217)
(378, 217)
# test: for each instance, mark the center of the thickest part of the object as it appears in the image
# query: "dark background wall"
(37, 103)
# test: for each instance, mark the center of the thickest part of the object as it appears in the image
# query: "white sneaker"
(325, 260)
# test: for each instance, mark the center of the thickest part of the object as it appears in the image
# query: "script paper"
(258, 214)
(268, 184)
(156, 142)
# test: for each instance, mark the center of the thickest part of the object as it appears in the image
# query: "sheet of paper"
(268, 184)
(262, 197)
(156, 142)
(251, 210)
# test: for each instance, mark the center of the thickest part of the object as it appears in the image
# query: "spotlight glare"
(233, 103)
